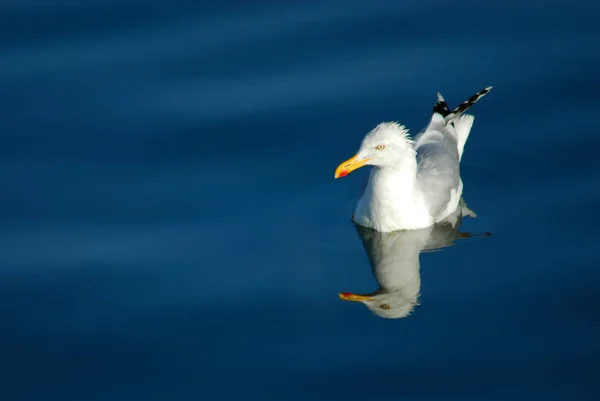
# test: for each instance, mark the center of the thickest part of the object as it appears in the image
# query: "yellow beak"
(349, 166)
(348, 296)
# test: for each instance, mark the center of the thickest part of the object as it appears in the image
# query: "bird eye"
(384, 306)
(380, 147)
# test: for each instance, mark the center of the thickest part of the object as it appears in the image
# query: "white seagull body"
(414, 183)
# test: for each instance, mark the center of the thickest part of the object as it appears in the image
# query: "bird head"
(386, 304)
(387, 145)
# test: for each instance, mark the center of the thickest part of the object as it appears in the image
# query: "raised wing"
(438, 167)
(439, 150)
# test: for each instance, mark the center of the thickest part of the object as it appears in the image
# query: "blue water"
(171, 230)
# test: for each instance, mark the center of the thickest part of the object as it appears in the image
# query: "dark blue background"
(170, 228)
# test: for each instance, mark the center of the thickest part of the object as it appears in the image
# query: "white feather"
(414, 183)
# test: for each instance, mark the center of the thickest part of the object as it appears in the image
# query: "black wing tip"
(478, 95)
(485, 91)
(441, 107)
(464, 106)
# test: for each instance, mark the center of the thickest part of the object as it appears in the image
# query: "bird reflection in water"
(394, 259)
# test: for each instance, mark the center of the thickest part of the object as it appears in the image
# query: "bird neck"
(397, 181)
(393, 200)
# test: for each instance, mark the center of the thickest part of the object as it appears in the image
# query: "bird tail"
(462, 125)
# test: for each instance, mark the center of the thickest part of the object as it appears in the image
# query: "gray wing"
(438, 166)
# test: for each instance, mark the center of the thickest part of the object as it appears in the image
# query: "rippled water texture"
(170, 227)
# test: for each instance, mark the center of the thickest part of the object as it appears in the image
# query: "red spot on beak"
(345, 294)
(343, 173)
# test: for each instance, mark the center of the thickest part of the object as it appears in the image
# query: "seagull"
(394, 259)
(414, 183)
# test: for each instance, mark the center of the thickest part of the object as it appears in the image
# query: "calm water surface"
(171, 229)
